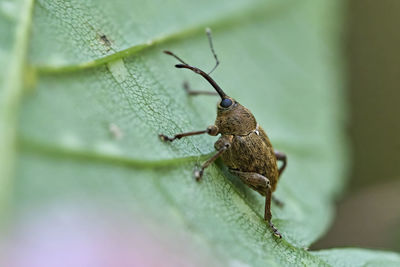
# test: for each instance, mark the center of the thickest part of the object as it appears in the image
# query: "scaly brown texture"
(250, 149)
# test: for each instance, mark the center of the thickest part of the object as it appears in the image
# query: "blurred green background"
(369, 214)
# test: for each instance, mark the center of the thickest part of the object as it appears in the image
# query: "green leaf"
(359, 257)
(98, 91)
(14, 21)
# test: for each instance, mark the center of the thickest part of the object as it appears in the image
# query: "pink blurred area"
(71, 237)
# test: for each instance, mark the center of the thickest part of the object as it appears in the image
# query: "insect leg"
(262, 185)
(211, 130)
(199, 173)
(281, 157)
(189, 91)
(254, 180)
(277, 201)
(268, 215)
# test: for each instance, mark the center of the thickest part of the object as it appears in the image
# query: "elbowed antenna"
(198, 71)
(206, 76)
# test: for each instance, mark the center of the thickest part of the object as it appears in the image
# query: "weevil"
(243, 146)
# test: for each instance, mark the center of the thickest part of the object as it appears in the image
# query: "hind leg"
(260, 184)
(280, 157)
(278, 202)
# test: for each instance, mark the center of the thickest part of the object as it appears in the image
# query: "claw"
(275, 230)
(198, 174)
(165, 138)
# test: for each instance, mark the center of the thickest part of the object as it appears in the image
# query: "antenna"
(199, 71)
(208, 32)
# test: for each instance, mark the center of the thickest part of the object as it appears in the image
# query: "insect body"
(244, 147)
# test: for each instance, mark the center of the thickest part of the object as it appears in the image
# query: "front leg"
(262, 185)
(189, 91)
(211, 130)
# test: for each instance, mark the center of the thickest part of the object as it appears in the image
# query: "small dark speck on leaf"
(104, 39)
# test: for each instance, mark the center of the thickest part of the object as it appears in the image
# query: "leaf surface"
(99, 91)
(359, 257)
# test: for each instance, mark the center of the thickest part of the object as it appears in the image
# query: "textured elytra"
(251, 153)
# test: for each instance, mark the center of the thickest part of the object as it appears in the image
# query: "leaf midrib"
(225, 21)
(10, 100)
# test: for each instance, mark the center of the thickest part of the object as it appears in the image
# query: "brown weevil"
(244, 147)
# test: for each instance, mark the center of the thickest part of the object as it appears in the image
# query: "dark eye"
(226, 102)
